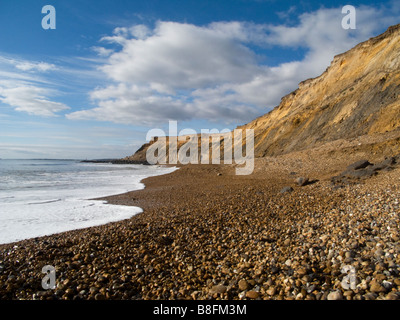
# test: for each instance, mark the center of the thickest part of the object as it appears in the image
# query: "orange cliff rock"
(358, 94)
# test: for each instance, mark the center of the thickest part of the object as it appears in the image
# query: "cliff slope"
(358, 94)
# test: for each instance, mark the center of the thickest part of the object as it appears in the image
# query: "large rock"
(302, 181)
(363, 169)
(361, 164)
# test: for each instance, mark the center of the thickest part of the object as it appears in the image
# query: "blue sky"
(112, 70)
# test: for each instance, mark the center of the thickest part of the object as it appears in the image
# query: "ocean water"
(43, 197)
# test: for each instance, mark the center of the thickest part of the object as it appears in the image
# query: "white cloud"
(140, 31)
(102, 52)
(183, 56)
(24, 87)
(38, 66)
(322, 29)
(25, 65)
(180, 71)
(31, 99)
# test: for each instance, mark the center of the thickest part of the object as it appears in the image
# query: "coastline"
(61, 200)
(206, 233)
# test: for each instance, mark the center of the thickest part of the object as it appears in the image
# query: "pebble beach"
(289, 231)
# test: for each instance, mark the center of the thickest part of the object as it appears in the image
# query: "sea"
(44, 197)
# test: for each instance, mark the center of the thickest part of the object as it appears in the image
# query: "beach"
(206, 233)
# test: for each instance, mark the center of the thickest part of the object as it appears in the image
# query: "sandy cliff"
(357, 95)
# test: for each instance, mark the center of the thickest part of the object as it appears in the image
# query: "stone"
(387, 284)
(99, 296)
(288, 262)
(93, 290)
(361, 164)
(271, 291)
(299, 296)
(41, 294)
(370, 296)
(252, 282)
(302, 181)
(348, 293)
(349, 254)
(243, 285)
(252, 294)
(335, 295)
(376, 287)
(301, 271)
(69, 291)
(392, 296)
(357, 174)
(274, 270)
(286, 189)
(388, 161)
(219, 288)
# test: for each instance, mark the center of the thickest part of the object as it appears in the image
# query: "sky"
(110, 71)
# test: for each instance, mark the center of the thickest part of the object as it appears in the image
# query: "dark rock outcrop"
(363, 169)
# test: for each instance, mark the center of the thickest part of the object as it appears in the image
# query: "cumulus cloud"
(180, 71)
(183, 56)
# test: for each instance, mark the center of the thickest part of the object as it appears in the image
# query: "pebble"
(376, 287)
(370, 296)
(99, 296)
(271, 291)
(301, 181)
(243, 285)
(335, 295)
(286, 189)
(392, 296)
(229, 241)
(218, 289)
(252, 294)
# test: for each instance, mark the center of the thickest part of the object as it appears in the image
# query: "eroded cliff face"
(358, 94)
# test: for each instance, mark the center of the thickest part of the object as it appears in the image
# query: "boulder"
(302, 181)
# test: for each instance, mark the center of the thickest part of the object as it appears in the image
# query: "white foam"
(60, 203)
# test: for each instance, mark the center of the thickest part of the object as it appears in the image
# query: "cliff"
(357, 95)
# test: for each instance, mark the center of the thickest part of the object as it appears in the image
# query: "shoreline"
(68, 202)
(206, 233)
